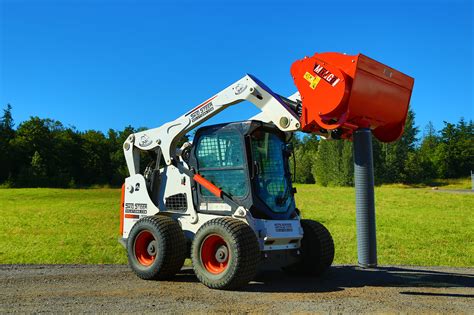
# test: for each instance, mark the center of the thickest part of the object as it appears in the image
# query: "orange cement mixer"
(343, 93)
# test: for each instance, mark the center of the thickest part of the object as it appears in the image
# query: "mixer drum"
(351, 92)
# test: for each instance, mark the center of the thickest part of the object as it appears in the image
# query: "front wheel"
(225, 254)
(156, 247)
(317, 250)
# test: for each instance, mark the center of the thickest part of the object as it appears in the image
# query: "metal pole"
(472, 180)
(365, 207)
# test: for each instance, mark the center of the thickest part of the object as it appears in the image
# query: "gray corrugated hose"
(365, 207)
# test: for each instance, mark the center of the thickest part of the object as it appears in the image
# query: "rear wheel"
(317, 250)
(156, 247)
(225, 253)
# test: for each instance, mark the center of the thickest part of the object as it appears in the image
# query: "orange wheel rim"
(145, 248)
(215, 254)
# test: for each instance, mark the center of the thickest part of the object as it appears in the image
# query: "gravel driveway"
(346, 289)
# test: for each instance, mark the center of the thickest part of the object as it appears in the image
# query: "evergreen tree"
(333, 164)
(304, 164)
(414, 169)
(427, 152)
(394, 155)
(7, 134)
(6, 122)
(379, 161)
(305, 152)
(455, 153)
(320, 165)
(347, 164)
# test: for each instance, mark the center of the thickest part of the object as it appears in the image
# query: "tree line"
(42, 152)
(448, 153)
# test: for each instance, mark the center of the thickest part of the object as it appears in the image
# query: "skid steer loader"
(226, 200)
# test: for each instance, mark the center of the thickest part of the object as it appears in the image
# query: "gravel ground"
(345, 289)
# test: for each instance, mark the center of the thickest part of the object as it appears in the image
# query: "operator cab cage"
(247, 160)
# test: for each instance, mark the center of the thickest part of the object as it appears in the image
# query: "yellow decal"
(308, 77)
(313, 81)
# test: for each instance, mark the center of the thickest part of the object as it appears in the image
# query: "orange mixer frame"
(346, 93)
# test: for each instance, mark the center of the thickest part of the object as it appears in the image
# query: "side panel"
(175, 186)
(137, 202)
(174, 197)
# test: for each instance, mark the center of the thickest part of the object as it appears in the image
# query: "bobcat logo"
(145, 141)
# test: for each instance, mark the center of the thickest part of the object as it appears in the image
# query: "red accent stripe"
(208, 185)
(200, 105)
(131, 216)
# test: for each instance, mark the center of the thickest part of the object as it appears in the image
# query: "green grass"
(454, 183)
(414, 226)
(70, 226)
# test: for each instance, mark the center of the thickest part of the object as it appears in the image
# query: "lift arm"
(164, 139)
(339, 94)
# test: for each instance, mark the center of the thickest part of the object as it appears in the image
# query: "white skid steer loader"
(226, 200)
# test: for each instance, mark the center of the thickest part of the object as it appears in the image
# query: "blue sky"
(108, 64)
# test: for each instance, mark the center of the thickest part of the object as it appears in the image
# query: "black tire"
(239, 249)
(156, 248)
(317, 250)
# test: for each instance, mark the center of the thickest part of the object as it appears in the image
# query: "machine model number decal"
(326, 75)
(136, 208)
(201, 112)
(283, 227)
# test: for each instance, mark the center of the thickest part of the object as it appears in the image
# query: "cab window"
(220, 158)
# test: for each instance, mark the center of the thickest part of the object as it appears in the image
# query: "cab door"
(220, 158)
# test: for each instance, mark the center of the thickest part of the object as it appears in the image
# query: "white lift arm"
(166, 137)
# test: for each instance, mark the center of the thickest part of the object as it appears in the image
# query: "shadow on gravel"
(185, 275)
(341, 277)
(438, 294)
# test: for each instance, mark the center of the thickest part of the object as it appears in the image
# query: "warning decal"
(313, 81)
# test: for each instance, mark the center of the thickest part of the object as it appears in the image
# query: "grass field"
(80, 226)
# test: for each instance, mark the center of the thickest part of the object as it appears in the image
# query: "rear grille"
(176, 202)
